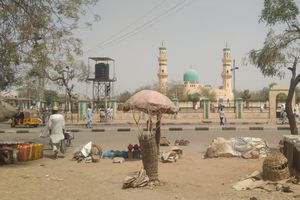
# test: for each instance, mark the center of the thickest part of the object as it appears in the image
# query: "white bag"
(86, 149)
(45, 132)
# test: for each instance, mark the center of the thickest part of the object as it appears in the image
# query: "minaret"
(227, 73)
(163, 70)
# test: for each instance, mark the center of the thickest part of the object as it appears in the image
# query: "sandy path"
(191, 177)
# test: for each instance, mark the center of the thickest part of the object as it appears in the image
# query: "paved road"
(119, 134)
(111, 139)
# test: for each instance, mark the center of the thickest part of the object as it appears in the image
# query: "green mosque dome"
(191, 75)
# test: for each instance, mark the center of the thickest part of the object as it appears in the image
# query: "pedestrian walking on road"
(56, 127)
(89, 114)
(222, 116)
(284, 117)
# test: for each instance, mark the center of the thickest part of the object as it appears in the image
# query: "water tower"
(103, 78)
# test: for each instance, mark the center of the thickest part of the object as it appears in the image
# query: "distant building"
(191, 82)
(163, 70)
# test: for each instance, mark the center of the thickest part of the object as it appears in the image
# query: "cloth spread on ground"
(246, 147)
(255, 180)
(170, 156)
(136, 179)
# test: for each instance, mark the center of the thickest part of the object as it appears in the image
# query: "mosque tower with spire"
(227, 73)
(163, 70)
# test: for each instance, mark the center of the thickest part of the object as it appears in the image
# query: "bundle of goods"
(182, 142)
(170, 156)
(245, 147)
(134, 151)
(136, 179)
(164, 141)
(90, 152)
(178, 150)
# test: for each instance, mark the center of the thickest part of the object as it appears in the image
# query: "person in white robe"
(56, 126)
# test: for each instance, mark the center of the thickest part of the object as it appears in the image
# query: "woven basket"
(275, 167)
(149, 156)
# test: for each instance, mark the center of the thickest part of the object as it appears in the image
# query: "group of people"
(56, 126)
(296, 112)
(283, 114)
(104, 114)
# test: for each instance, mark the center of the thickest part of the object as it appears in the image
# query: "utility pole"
(233, 69)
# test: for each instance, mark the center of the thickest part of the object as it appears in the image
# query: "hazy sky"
(193, 31)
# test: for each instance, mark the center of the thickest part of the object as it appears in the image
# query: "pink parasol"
(150, 102)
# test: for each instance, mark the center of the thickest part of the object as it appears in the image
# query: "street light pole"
(233, 69)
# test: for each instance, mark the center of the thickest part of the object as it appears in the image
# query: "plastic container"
(28, 152)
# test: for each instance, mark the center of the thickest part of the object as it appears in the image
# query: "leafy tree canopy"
(279, 11)
(50, 96)
(208, 93)
(195, 97)
(36, 36)
(122, 97)
(280, 51)
(246, 95)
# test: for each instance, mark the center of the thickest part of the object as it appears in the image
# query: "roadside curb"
(166, 128)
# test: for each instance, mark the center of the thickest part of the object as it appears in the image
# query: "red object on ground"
(130, 147)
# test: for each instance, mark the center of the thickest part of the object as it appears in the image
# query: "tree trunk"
(289, 109)
(149, 156)
(71, 105)
(158, 132)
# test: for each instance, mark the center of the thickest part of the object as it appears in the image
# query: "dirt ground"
(191, 177)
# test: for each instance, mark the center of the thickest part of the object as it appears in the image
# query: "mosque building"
(191, 82)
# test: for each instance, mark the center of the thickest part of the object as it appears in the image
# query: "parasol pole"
(158, 131)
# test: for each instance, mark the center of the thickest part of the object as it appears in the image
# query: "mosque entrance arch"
(275, 91)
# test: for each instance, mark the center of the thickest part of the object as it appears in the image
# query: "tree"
(173, 89)
(280, 51)
(65, 79)
(246, 95)
(297, 92)
(208, 93)
(146, 87)
(50, 96)
(123, 96)
(195, 97)
(38, 35)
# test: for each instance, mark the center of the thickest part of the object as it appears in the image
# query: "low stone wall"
(194, 114)
(255, 115)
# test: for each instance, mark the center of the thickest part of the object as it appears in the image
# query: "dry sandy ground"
(189, 178)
